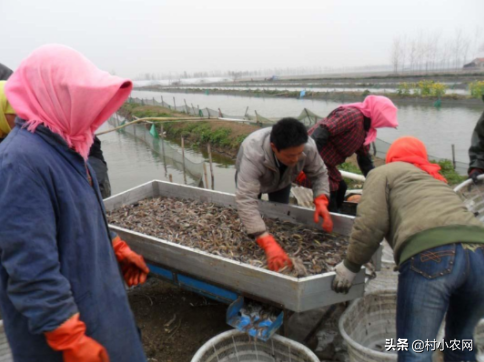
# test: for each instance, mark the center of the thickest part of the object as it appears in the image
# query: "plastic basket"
(479, 341)
(370, 321)
(235, 346)
(473, 196)
(387, 254)
(367, 324)
(5, 354)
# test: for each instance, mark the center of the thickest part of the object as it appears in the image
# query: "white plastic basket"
(5, 354)
(473, 196)
(370, 321)
(479, 340)
(366, 325)
(236, 346)
(387, 254)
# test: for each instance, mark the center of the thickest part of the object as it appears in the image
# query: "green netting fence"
(170, 155)
(380, 149)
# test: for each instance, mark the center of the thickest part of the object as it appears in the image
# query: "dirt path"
(194, 320)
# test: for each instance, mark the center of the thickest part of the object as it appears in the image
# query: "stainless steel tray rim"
(296, 294)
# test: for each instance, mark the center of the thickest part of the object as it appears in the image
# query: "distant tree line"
(432, 51)
(266, 72)
(425, 52)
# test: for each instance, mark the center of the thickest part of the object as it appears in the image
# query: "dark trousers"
(337, 197)
(280, 196)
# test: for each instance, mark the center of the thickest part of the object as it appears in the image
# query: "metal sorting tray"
(295, 294)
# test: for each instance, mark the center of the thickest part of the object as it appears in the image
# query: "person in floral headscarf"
(349, 129)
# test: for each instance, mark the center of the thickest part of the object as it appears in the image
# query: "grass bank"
(346, 96)
(224, 136)
(132, 110)
(373, 78)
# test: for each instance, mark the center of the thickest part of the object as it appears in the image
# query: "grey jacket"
(258, 173)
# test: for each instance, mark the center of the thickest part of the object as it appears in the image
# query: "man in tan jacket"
(438, 246)
(269, 160)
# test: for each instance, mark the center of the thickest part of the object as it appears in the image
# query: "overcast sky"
(153, 36)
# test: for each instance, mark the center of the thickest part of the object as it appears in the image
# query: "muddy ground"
(175, 323)
(194, 320)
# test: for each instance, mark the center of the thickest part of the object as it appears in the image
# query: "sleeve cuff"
(355, 268)
(316, 195)
(257, 234)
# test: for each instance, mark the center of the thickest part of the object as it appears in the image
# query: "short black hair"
(287, 133)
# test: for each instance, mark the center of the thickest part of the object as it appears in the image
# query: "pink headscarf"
(61, 89)
(380, 110)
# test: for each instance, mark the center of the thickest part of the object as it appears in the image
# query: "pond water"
(132, 161)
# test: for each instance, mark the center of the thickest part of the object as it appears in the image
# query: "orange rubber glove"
(276, 257)
(70, 339)
(133, 266)
(321, 203)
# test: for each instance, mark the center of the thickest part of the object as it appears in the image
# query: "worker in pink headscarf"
(350, 129)
(62, 291)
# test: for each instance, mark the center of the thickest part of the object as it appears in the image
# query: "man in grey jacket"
(269, 160)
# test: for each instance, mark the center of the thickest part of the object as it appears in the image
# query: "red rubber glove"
(276, 257)
(321, 203)
(70, 338)
(133, 266)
